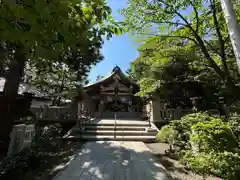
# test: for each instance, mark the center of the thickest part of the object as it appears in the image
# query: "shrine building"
(113, 95)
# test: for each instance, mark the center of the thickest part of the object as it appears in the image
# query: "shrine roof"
(24, 88)
(116, 71)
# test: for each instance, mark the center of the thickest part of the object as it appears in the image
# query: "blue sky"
(119, 50)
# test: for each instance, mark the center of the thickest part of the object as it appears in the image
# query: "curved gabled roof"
(116, 71)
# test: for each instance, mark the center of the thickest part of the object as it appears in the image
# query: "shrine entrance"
(114, 95)
(117, 103)
(117, 106)
(120, 106)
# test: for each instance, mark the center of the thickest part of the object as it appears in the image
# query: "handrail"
(147, 115)
(115, 122)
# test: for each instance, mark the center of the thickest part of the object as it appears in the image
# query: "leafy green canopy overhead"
(198, 23)
(175, 73)
(45, 33)
(53, 34)
(57, 28)
(61, 81)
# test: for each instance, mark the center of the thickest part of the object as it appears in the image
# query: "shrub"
(208, 144)
(167, 135)
(28, 120)
(234, 120)
(13, 167)
(226, 165)
(199, 163)
(217, 151)
(214, 135)
(183, 130)
(222, 164)
(182, 134)
(194, 118)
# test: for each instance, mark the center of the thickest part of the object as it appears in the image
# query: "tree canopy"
(176, 74)
(54, 26)
(198, 23)
(68, 32)
(46, 33)
(59, 82)
(186, 50)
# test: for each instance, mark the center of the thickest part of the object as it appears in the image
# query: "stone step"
(118, 132)
(112, 124)
(113, 138)
(109, 128)
(132, 124)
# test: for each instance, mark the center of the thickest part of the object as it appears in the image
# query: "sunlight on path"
(113, 160)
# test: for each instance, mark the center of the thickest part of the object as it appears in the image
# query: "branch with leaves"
(175, 20)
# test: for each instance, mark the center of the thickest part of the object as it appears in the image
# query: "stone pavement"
(113, 160)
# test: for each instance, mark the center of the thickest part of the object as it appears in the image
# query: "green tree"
(176, 74)
(59, 82)
(198, 23)
(47, 32)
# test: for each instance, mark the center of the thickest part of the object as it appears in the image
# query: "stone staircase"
(111, 130)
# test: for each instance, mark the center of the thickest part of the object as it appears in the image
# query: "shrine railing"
(174, 114)
(54, 113)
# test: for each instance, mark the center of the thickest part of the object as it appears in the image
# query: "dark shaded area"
(40, 162)
(160, 124)
(183, 93)
(21, 107)
(66, 127)
(18, 110)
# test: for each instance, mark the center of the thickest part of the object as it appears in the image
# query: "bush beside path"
(206, 144)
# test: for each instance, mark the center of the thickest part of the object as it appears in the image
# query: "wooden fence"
(176, 114)
(171, 114)
(54, 114)
(65, 114)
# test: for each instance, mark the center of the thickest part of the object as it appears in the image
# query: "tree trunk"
(9, 96)
(233, 28)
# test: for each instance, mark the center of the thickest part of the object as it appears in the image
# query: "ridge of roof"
(100, 80)
(115, 70)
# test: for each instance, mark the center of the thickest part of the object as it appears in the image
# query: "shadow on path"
(114, 160)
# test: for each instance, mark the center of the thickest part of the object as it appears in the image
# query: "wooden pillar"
(101, 108)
